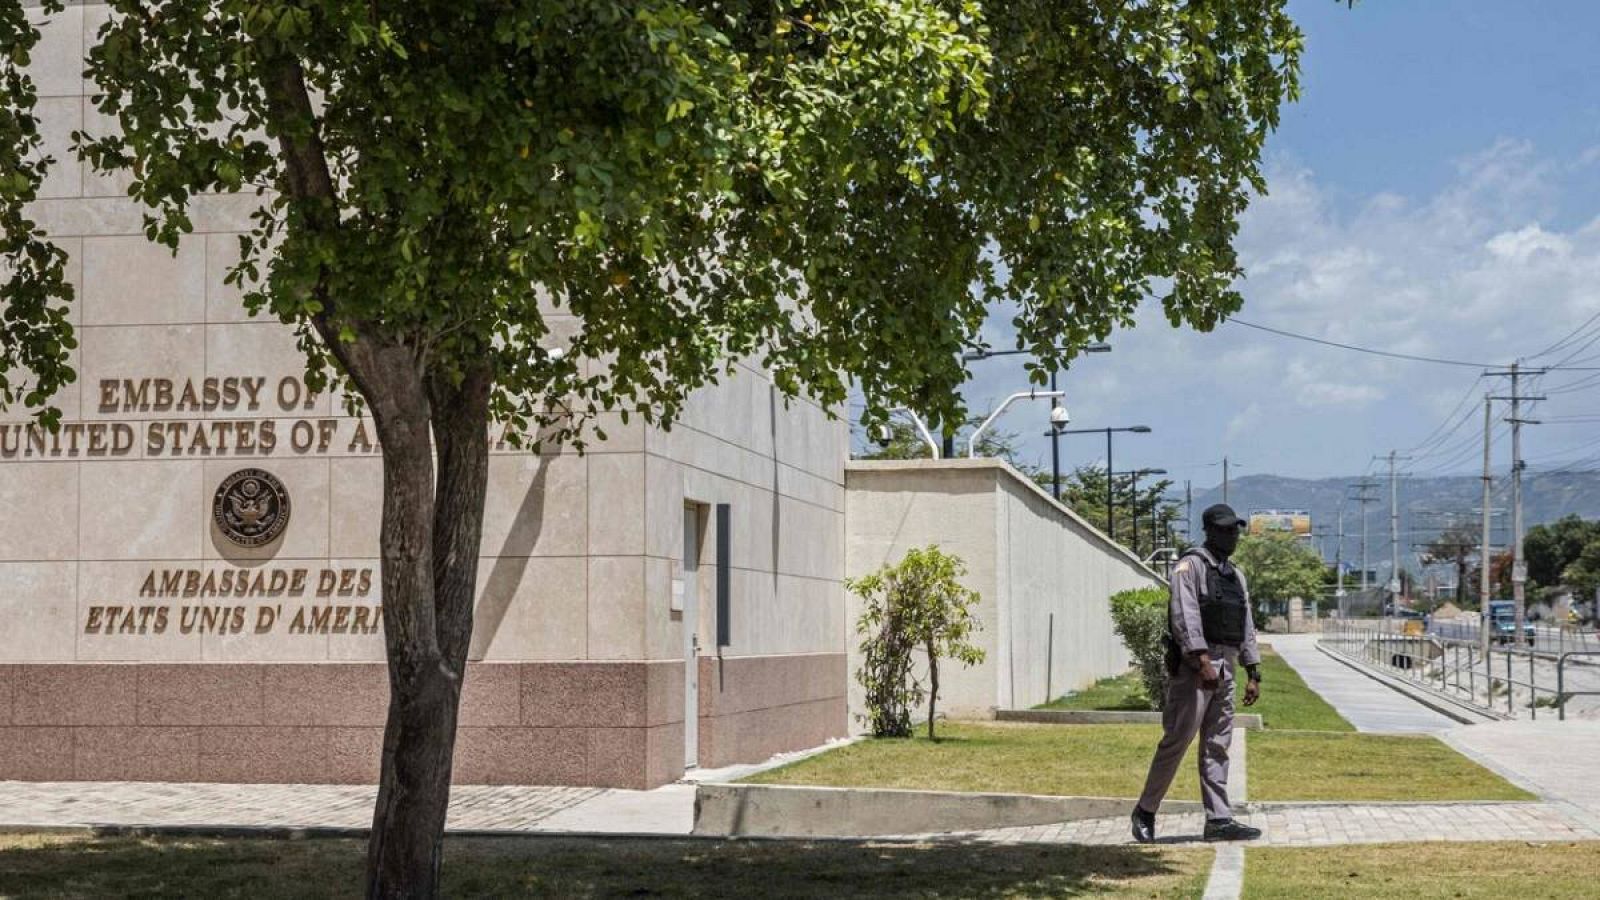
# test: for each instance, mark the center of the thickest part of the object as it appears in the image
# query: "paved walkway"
(1288, 825)
(1368, 705)
(1556, 760)
(666, 810)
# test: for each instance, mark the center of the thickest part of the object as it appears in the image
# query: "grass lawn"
(1422, 871)
(1286, 702)
(1120, 693)
(1320, 765)
(999, 757)
(59, 866)
(1111, 760)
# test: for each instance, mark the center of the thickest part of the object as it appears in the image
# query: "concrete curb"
(1444, 706)
(741, 810)
(1227, 873)
(1250, 721)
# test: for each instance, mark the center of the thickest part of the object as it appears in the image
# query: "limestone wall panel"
(129, 280)
(57, 63)
(41, 504)
(58, 118)
(307, 535)
(616, 504)
(141, 510)
(531, 608)
(38, 611)
(616, 607)
(173, 352)
(536, 506)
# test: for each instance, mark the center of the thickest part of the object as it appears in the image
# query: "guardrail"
(1459, 669)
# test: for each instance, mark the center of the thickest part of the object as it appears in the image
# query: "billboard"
(1289, 521)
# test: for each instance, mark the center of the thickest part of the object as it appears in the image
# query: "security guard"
(1210, 633)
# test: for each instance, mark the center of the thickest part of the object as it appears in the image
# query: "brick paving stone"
(1323, 825)
(472, 807)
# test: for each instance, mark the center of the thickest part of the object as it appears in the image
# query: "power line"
(1566, 341)
(1468, 364)
(1327, 343)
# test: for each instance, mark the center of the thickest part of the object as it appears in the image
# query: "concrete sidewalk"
(1365, 703)
(665, 810)
(1556, 760)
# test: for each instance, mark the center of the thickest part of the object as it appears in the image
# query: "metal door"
(691, 635)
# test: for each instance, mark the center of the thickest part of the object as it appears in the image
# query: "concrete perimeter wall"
(1044, 573)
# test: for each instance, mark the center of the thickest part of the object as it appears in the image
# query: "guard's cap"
(1220, 515)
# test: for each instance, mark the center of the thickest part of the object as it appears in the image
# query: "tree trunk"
(431, 536)
(933, 686)
(430, 531)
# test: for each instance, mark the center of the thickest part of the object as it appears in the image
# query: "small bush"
(918, 603)
(1140, 619)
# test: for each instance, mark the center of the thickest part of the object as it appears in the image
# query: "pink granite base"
(754, 706)
(605, 724)
(601, 724)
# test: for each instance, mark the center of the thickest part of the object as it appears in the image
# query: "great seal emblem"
(251, 507)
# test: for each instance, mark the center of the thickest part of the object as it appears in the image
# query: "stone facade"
(128, 648)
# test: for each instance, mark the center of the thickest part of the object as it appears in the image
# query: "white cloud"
(1474, 271)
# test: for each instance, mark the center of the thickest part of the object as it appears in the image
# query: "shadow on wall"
(500, 587)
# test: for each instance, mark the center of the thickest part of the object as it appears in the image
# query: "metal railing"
(1508, 680)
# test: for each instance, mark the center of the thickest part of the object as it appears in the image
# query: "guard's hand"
(1209, 677)
(1252, 692)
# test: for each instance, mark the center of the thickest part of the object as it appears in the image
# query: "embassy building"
(189, 585)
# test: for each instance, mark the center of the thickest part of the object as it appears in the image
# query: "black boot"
(1230, 830)
(1144, 826)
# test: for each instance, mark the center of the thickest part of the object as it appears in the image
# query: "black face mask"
(1222, 541)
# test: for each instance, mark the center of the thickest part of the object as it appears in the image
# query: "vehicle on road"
(1503, 625)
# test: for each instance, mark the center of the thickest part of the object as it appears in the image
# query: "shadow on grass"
(123, 867)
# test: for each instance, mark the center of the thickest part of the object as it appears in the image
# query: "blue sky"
(1436, 191)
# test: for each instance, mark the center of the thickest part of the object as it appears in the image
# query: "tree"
(1551, 548)
(1278, 567)
(36, 339)
(1138, 504)
(918, 602)
(1454, 545)
(451, 192)
(1583, 573)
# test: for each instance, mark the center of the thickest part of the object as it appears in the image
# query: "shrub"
(917, 603)
(1140, 619)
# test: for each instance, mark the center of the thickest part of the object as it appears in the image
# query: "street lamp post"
(1111, 502)
(1054, 435)
(1134, 477)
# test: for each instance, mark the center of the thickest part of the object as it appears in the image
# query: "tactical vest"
(1223, 606)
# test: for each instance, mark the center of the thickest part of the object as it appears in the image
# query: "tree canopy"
(540, 211)
(1279, 567)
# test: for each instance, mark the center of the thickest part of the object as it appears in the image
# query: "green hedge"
(1140, 619)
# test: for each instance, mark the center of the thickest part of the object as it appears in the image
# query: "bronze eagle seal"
(251, 507)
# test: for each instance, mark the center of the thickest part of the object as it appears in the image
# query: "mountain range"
(1426, 506)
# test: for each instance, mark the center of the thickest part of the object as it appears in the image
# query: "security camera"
(1059, 418)
(882, 435)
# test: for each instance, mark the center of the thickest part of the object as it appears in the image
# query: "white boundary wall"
(1030, 558)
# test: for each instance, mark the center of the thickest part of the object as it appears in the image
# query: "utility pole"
(1364, 485)
(1394, 526)
(1483, 546)
(1188, 508)
(1224, 479)
(1338, 557)
(1519, 567)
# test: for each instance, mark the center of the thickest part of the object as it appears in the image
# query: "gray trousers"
(1191, 709)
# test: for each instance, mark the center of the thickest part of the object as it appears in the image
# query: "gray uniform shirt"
(1188, 584)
